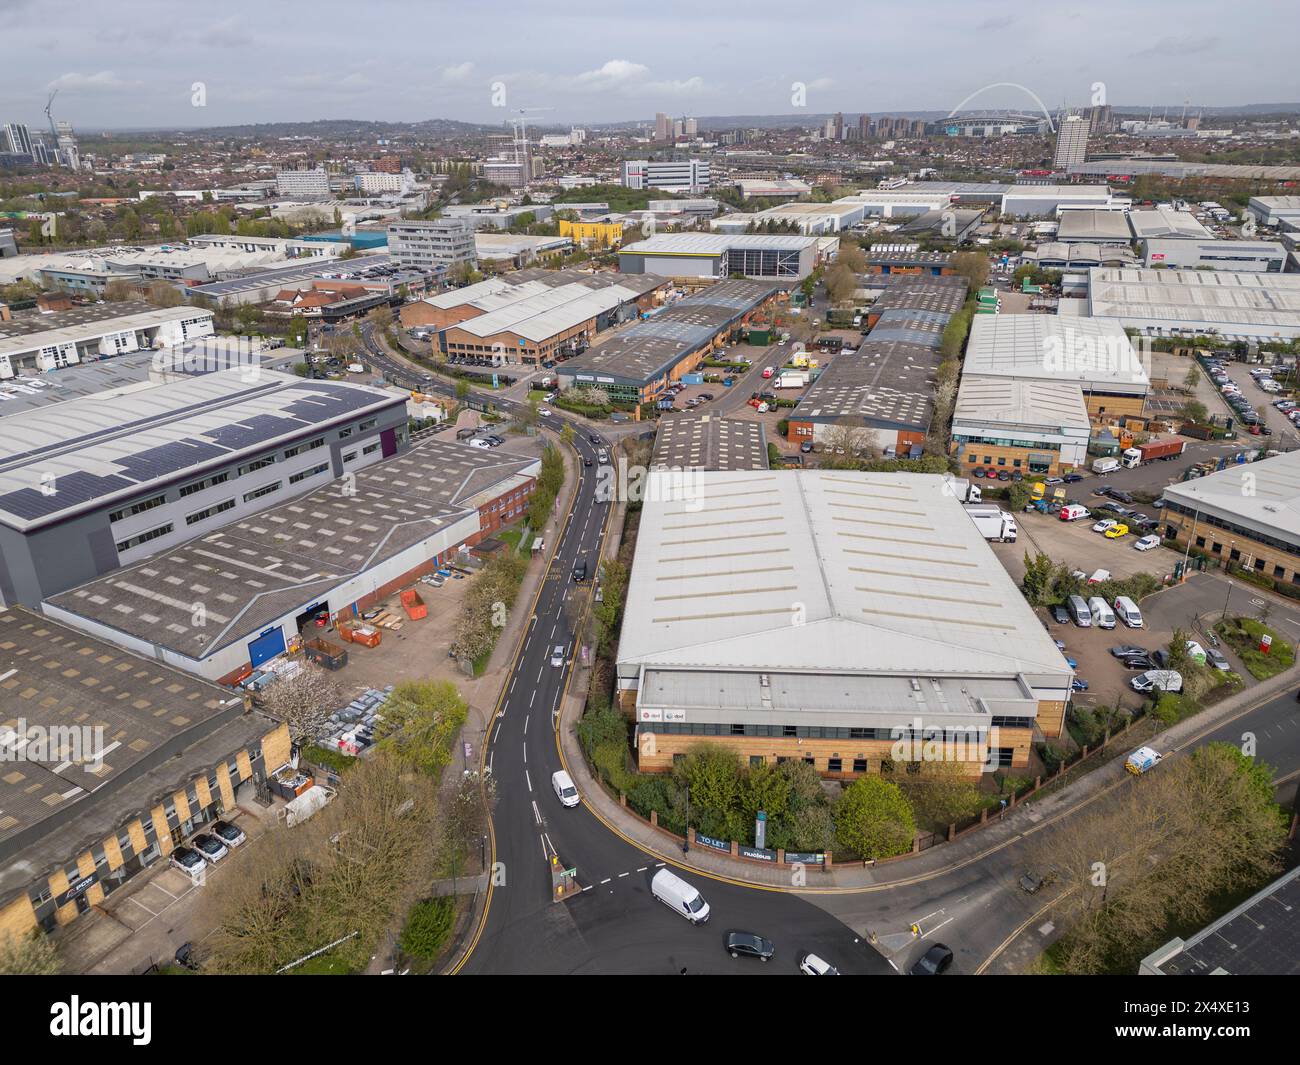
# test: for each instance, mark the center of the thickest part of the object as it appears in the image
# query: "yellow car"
(1116, 531)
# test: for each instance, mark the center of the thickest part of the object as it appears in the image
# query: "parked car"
(1059, 614)
(1105, 525)
(230, 835)
(1147, 543)
(934, 962)
(749, 945)
(1098, 576)
(212, 849)
(1141, 662)
(806, 447)
(1116, 531)
(1166, 679)
(1123, 650)
(1078, 684)
(187, 860)
(1031, 882)
(1072, 478)
(1217, 659)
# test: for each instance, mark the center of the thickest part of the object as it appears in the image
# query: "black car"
(586, 460)
(933, 962)
(1121, 496)
(749, 945)
(1059, 614)
(1124, 650)
(1072, 478)
(1138, 663)
(593, 438)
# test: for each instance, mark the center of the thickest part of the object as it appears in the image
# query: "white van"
(1079, 611)
(1073, 512)
(564, 789)
(1102, 616)
(479, 443)
(1127, 611)
(678, 895)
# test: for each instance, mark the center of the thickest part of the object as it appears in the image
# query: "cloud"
(616, 71)
(457, 74)
(1175, 47)
(995, 22)
(103, 81)
(229, 33)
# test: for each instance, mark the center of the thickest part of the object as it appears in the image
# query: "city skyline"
(113, 77)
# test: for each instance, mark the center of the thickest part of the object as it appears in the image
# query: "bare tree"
(33, 954)
(304, 701)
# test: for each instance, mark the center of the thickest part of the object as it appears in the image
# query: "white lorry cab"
(678, 895)
(1109, 465)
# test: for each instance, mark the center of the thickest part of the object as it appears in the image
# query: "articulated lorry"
(993, 522)
(1164, 450)
(963, 490)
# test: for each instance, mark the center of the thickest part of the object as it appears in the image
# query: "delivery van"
(678, 895)
(1127, 611)
(1073, 512)
(1079, 611)
(1102, 615)
(564, 789)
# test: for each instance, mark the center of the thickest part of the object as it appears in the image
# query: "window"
(756, 761)
(207, 482)
(302, 475)
(345, 433)
(256, 464)
(265, 490)
(859, 765)
(369, 423)
(349, 456)
(137, 508)
(1279, 572)
(144, 537)
(310, 445)
(789, 730)
(207, 512)
(834, 765)
(370, 449)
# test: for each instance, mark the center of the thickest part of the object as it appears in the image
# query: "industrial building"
(1035, 427)
(1166, 223)
(1097, 356)
(115, 759)
(907, 259)
(877, 618)
(600, 234)
(883, 393)
(636, 364)
(94, 483)
(1259, 937)
(1055, 255)
(518, 250)
(916, 309)
(1275, 211)
(1046, 201)
(813, 219)
(1257, 530)
(1093, 226)
(37, 343)
(262, 580)
(497, 215)
(707, 442)
(264, 285)
(952, 224)
(1192, 302)
(777, 257)
(1181, 253)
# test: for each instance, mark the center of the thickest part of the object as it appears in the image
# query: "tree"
(941, 794)
(161, 294)
(973, 266)
(1192, 379)
(33, 954)
(1194, 411)
(421, 718)
(873, 819)
(382, 317)
(304, 701)
(119, 290)
(713, 776)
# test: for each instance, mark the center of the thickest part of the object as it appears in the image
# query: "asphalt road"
(615, 926)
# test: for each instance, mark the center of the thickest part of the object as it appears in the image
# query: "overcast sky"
(134, 63)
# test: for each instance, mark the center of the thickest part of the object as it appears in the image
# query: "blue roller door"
(268, 645)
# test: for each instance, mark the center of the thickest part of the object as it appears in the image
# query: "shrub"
(428, 926)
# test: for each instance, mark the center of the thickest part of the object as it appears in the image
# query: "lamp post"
(1226, 598)
(686, 838)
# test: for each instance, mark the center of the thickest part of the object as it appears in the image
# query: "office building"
(854, 651)
(680, 175)
(18, 139)
(1034, 427)
(303, 184)
(438, 245)
(663, 127)
(1071, 142)
(1255, 256)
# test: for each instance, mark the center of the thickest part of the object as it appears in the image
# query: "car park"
(750, 945)
(934, 962)
(211, 848)
(230, 835)
(187, 860)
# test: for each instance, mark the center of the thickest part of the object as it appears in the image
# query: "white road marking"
(621, 875)
(530, 781)
(606, 880)
(531, 698)
(526, 725)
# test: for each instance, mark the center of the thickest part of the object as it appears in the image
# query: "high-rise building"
(67, 150)
(303, 184)
(837, 127)
(1071, 142)
(1099, 119)
(691, 128)
(18, 138)
(387, 164)
(864, 127)
(503, 170)
(439, 244)
(663, 127)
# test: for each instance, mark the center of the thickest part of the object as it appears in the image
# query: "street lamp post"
(1226, 598)
(686, 840)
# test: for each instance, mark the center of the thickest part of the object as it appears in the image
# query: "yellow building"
(602, 234)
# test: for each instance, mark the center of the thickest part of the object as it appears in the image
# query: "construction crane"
(50, 117)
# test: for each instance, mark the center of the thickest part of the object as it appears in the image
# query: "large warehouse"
(1031, 427)
(1097, 356)
(879, 398)
(636, 364)
(767, 257)
(40, 342)
(147, 757)
(843, 612)
(261, 581)
(93, 483)
(1247, 516)
(532, 316)
(1190, 302)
